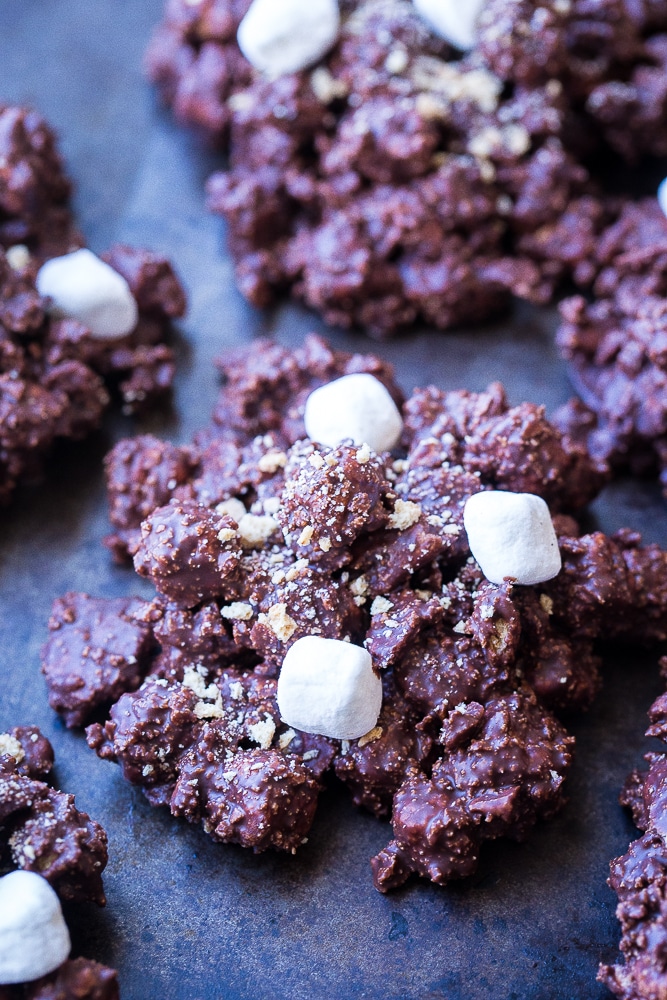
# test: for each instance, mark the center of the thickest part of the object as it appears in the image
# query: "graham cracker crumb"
(272, 461)
(236, 690)
(280, 623)
(226, 534)
(233, 507)
(263, 732)
(238, 611)
(326, 87)
(306, 535)
(10, 747)
(547, 603)
(370, 737)
(381, 606)
(285, 739)
(256, 529)
(18, 257)
(406, 513)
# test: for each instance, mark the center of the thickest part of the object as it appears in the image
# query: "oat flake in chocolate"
(255, 536)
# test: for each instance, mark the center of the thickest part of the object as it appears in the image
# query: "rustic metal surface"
(186, 919)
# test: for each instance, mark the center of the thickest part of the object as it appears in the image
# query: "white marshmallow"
(34, 939)
(453, 20)
(512, 534)
(329, 687)
(354, 406)
(662, 196)
(286, 36)
(81, 286)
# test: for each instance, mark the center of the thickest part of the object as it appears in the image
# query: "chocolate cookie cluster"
(397, 181)
(34, 188)
(57, 375)
(616, 346)
(639, 878)
(57, 378)
(255, 536)
(43, 832)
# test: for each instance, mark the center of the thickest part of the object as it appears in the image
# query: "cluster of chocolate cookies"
(256, 536)
(639, 878)
(397, 181)
(57, 373)
(43, 832)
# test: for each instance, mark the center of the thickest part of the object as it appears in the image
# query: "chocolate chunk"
(25, 751)
(34, 188)
(256, 798)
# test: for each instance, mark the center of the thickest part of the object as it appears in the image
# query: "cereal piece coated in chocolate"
(111, 644)
(348, 545)
(501, 775)
(41, 829)
(76, 979)
(190, 553)
(256, 798)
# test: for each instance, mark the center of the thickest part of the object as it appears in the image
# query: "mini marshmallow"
(662, 196)
(34, 939)
(512, 535)
(81, 286)
(286, 36)
(354, 406)
(329, 687)
(453, 20)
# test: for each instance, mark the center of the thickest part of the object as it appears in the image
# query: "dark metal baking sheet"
(187, 919)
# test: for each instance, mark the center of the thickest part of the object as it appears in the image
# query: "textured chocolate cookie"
(41, 829)
(639, 878)
(256, 536)
(396, 182)
(615, 346)
(58, 374)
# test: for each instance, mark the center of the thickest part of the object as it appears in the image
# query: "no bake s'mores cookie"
(383, 176)
(279, 528)
(58, 853)
(639, 877)
(616, 345)
(75, 329)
